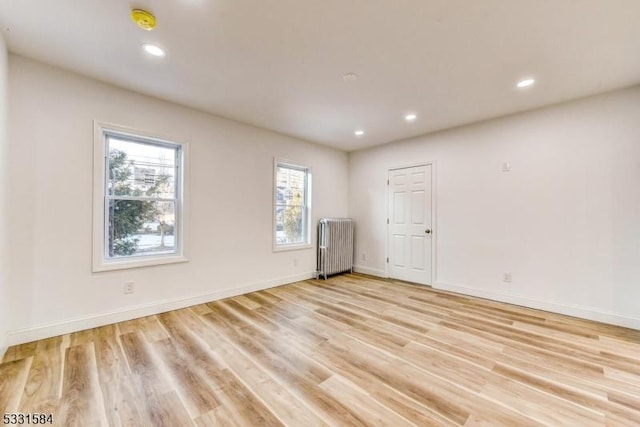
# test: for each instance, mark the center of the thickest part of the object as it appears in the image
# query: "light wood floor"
(350, 351)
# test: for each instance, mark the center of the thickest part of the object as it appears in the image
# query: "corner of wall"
(5, 305)
(3, 345)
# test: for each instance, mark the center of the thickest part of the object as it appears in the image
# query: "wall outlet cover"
(129, 287)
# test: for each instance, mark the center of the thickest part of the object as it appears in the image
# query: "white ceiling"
(279, 64)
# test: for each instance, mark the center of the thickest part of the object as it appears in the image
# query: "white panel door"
(410, 233)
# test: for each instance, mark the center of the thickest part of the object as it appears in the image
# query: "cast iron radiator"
(335, 246)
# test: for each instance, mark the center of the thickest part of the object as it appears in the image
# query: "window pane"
(141, 170)
(291, 205)
(290, 185)
(289, 224)
(140, 227)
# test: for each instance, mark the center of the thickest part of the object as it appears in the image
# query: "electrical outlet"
(128, 287)
(506, 277)
(364, 257)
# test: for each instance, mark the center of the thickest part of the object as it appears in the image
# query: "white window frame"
(100, 260)
(306, 244)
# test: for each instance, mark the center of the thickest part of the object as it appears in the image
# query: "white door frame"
(434, 217)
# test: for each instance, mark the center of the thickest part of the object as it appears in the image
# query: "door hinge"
(387, 260)
(387, 182)
(387, 220)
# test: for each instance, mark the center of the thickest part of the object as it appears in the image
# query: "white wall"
(5, 306)
(565, 221)
(230, 241)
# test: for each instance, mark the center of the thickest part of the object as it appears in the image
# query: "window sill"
(125, 264)
(284, 248)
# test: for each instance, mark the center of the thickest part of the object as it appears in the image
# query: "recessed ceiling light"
(410, 117)
(359, 133)
(525, 83)
(154, 50)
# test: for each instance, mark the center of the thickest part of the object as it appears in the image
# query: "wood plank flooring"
(353, 350)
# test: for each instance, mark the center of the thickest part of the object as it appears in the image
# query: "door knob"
(428, 231)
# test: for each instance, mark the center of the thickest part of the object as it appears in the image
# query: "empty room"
(309, 213)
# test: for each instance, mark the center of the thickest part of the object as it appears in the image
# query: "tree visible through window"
(291, 205)
(141, 197)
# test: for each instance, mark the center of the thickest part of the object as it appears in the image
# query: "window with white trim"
(138, 206)
(292, 207)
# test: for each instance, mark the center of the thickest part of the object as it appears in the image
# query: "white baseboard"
(370, 271)
(120, 315)
(570, 310)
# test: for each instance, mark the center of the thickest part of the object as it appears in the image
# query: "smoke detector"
(143, 19)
